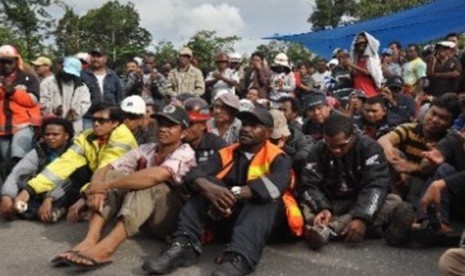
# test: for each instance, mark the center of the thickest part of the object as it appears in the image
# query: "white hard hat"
(133, 104)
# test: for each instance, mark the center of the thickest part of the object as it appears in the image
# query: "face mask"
(65, 77)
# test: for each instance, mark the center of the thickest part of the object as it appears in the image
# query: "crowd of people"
(369, 144)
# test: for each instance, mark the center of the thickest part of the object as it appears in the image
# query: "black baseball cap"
(258, 114)
(395, 81)
(175, 114)
(315, 99)
(97, 51)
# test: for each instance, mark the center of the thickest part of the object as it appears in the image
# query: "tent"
(416, 25)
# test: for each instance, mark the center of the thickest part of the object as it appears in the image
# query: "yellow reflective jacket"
(84, 151)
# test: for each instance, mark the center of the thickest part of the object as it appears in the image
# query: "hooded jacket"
(372, 58)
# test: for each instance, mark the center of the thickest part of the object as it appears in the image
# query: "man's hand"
(322, 218)
(45, 210)
(387, 94)
(246, 193)
(355, 231)
(433, 195)
(6, 207)
(22, 196)
(58, 111)
(71, 115)
(401, 165)
(97, 188)
(434, 156)
(221, 198)
(96, 202)
(75, 210)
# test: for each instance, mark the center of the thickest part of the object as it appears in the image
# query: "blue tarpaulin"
(416, 25)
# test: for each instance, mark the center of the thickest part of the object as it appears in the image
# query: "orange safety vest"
(260, 166)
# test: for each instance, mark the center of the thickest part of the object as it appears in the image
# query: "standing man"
(43, 67)
(103, 83)
(186, 79)
(223, 78)
(444, 70)
(19, 108)
(237, 193)
(413, 71)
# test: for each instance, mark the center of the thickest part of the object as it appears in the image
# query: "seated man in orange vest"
(236, 193)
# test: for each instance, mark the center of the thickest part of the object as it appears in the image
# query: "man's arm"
(140, 180)
(27, 167)
(199, 89)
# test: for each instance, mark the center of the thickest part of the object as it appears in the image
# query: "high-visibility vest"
(260, 166)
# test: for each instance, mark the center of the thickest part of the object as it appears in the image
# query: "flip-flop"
(80, 267)
(62, 261)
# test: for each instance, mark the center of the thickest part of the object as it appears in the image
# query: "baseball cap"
(395, 81)
(186, 51)
(446, 44)
(133, 104)
(258, 114)
(97, 51)
(175, 114)
(280, 127)
(358, 93)
(72, 66)
(42, 61)
(246, 105)
(8, 52)
(314, 99)
(235, 57)
(228, 99)
(197, 109)
(386, 51)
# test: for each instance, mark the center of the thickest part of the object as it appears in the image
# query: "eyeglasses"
(6, 61)
(221, 61)
(185, 56)
(100, 120)
(340, 146)
(395, 89)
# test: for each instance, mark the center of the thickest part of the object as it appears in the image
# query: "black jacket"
(298, 147)
(366, 174)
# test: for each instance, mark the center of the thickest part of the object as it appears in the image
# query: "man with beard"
(103, 83)
(405, 144)
(19, 96)
(236, 193)
(148, 192)
(204, 143)
(65, 94)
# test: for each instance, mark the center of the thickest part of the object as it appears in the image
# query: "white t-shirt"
(221, 85)
(100, 82)
(319, 78)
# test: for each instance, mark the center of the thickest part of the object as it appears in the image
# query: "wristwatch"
(236, 190)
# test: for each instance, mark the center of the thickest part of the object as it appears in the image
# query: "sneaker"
(232, 264)
(316, 236)
(398, 233)
(179, 253)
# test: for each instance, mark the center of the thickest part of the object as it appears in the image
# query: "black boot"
(179, 253)
(232, 264)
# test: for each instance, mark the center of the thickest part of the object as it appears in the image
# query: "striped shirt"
(411, 141)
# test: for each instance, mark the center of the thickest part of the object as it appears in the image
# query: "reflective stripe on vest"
(259, 167)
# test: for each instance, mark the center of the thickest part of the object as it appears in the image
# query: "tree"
(113, 27)
(165, 52)
(68, 33)
(329, 13)
(206, 44)
(332, 13)
(29, 21)
(294, 51)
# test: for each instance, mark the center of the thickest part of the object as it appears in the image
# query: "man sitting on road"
(344, 190)
(149, 192)
(57, 135)
(94, 148)
(236, 193)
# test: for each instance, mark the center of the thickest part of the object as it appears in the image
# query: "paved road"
(27, 247)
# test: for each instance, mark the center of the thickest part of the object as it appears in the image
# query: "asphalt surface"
(26, 248)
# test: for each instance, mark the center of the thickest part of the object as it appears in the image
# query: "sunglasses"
(221, 61)
(100, 120)
(6, 61)
(340, 146)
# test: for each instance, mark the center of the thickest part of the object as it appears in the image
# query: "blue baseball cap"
(72, 66)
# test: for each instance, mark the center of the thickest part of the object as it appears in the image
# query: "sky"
(178, 20)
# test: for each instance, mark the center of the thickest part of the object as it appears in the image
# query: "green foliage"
(294, 51)
(113, 27)
(165, 52)
(206, 44)
(330, 13)
(29, 21)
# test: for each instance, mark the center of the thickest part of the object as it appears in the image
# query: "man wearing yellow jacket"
(241, 193)
(94, 148)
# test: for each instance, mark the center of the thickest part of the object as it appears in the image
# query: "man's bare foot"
(84, 245)
(99, 253)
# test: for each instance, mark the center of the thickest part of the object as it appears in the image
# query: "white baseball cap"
(133, 104)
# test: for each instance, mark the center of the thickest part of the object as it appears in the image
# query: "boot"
(398, 233)
(232, 264)
(179, 253)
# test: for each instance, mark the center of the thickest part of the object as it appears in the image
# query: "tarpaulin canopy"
(416, 25)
